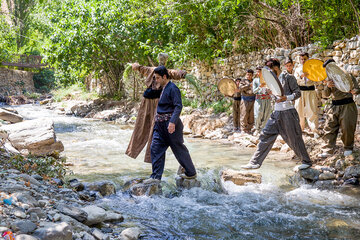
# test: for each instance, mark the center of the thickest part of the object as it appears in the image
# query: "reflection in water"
(271, 210)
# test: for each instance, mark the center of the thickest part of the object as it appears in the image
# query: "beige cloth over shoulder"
(144, 124)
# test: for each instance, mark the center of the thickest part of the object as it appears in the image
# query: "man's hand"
(281, 99)
(353, 92)
(171, 128)
(330, 83)
(135, 66)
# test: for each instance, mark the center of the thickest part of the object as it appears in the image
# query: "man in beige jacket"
(307, 104)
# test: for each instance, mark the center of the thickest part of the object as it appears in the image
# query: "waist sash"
(162, 117)
(248, 98)
(342, 101)
(307, 88)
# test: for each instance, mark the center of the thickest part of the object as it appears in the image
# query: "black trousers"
(161, 140)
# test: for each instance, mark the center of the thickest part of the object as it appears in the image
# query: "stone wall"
(15, 82)
(346, 53)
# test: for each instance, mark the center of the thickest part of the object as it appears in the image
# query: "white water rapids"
(271, 210)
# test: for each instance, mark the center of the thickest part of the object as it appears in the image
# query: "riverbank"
(328, 173)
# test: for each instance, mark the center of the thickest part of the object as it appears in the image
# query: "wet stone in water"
(187, 183)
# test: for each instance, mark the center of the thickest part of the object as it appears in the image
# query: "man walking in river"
(168, 129)
(284, 121)
(145, 118)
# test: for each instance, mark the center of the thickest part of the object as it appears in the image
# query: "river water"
(273, 209)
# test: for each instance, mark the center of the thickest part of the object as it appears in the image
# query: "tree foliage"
(99, 37)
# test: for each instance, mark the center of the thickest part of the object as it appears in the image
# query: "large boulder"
(54, 231)
(74, 212)
(95, 215)
(34, 136)
(10, 116)
(240, 178)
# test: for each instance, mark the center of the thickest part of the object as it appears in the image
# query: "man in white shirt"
(284, 121)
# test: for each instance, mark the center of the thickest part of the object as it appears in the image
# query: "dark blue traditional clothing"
(168, 110)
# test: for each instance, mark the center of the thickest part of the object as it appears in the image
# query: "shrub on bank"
(47, 167)
(74, 92)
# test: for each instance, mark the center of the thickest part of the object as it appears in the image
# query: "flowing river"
(273, 209)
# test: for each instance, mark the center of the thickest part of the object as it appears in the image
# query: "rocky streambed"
(95, 149)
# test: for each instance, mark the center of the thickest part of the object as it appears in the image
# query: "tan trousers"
(247, 115)
(142, 133)
(342, 117)
(236, 113)
(307, 107)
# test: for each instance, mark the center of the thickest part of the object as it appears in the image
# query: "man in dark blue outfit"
(168, 129)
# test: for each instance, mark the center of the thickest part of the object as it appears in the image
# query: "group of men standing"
(300, 107)
(255, 111)
(251, 115)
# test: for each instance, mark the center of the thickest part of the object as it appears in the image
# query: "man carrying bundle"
(284, 121)
(142, 133)
(168, 129)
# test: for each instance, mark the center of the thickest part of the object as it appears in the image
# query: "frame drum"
(272, 82)
(315, 69)
(342, 80)
(227, 87)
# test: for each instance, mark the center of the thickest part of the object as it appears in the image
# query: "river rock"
(19, 213)
(352, 171)
(10, 116)
(74, 212)
(130, 234)
(30, 179)
(105, 188)
(76, 185)
(147, 189)
(325, 184)
(140, 186)
(187, 183)
(38, 211)
(94, 215)
(54, 231)
(239, 177)
(81, 109)
(36, 136)
(113, 217)
(310, 174)
(25, 197)
(23, 226)
(99, 235)
(326, 175)
(76, 225)
(24, 237)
